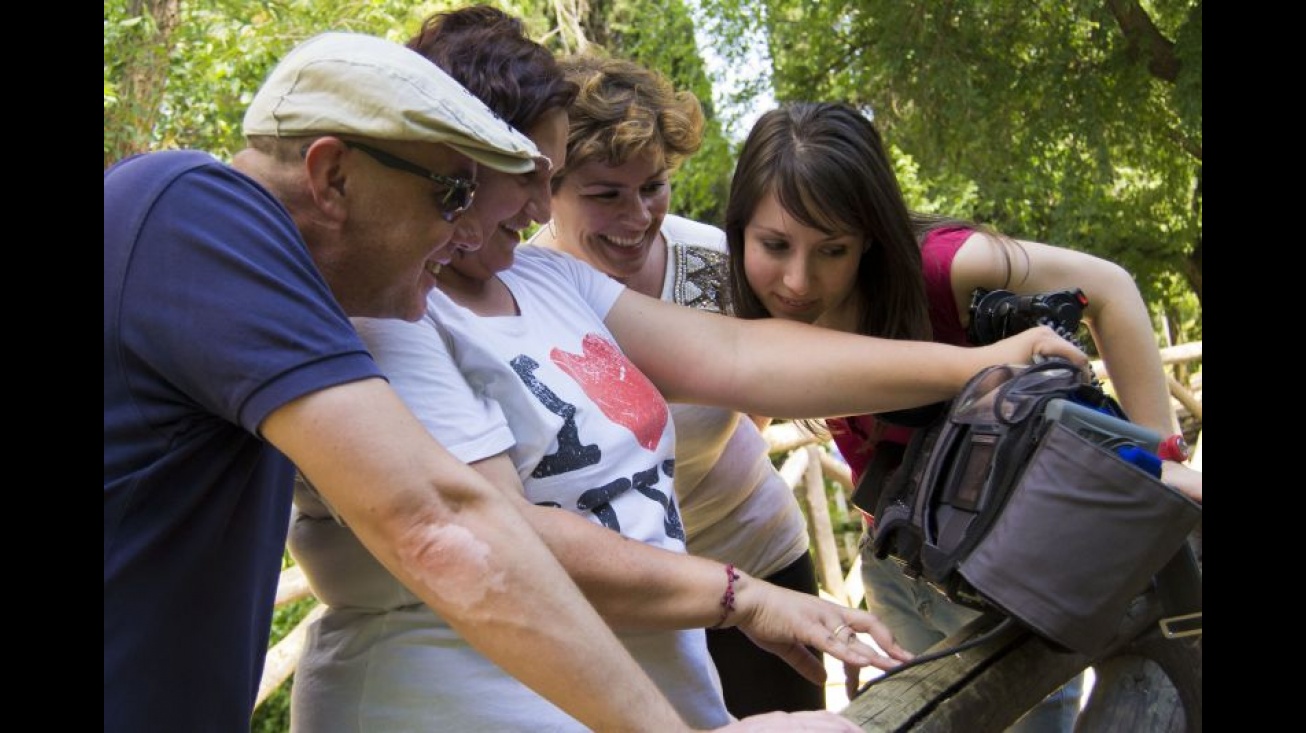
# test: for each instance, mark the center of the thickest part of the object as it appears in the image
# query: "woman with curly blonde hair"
(630, 131)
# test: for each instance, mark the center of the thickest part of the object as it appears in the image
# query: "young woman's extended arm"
(791, 370)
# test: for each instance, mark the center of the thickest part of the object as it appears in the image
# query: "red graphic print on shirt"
(621, 390)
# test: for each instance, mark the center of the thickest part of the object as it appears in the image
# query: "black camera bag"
(1001, 508)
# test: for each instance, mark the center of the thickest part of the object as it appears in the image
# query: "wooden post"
(292, 586)
(783, 437)
(827, 553)
(284, 657)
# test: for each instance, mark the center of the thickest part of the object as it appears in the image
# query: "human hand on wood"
(791, 625)
(808, 720)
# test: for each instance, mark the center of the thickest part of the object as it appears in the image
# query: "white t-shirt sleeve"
(696, 233)
(415, 357)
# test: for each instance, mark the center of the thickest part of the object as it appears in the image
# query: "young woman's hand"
(1031, 346)
(791, 625)
(1183, 478)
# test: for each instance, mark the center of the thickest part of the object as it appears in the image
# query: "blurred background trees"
(179, 73)
(1077, 122)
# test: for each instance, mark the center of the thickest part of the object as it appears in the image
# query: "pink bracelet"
(727, 598)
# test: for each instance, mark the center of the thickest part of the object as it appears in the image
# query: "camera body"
(997, 314)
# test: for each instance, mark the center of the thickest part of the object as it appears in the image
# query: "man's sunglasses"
(460, 191)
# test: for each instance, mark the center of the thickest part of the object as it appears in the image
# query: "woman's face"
(507, 203)
(610, 215)
(798, 273)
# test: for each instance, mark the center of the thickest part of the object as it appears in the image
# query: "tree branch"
(1145, 38)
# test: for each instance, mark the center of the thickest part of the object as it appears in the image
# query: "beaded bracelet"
(727, 598)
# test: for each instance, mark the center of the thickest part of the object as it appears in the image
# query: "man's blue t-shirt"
(214, 316)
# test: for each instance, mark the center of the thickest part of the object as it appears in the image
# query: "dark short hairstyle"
(489, 52)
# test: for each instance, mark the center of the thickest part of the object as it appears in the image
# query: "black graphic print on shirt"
(627, 398)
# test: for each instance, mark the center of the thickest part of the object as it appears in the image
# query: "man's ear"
(326, 171)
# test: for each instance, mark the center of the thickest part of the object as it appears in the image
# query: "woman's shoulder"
(561, 274)
(949, 237)
(534, 258)
(682, 232)
(697, 270)
(544, 265)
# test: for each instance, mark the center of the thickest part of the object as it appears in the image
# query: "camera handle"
(997, 314)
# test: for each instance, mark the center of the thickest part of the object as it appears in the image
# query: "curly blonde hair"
(624, 110)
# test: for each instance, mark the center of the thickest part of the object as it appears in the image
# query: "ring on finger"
(835, 634)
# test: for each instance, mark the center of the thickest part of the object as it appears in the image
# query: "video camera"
(997, 314)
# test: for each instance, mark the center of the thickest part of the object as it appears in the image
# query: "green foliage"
(1043, 119)
(221, 50)
(273, 716)
(219, 53)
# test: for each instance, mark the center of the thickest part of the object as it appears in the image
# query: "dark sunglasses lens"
(456, 201)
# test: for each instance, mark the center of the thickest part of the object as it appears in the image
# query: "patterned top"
(699, 279)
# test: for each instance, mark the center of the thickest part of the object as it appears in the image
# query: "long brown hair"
(829, 169)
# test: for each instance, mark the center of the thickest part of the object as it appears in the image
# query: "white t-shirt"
(586, 431)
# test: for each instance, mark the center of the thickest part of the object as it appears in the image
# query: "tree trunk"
(144, 77)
